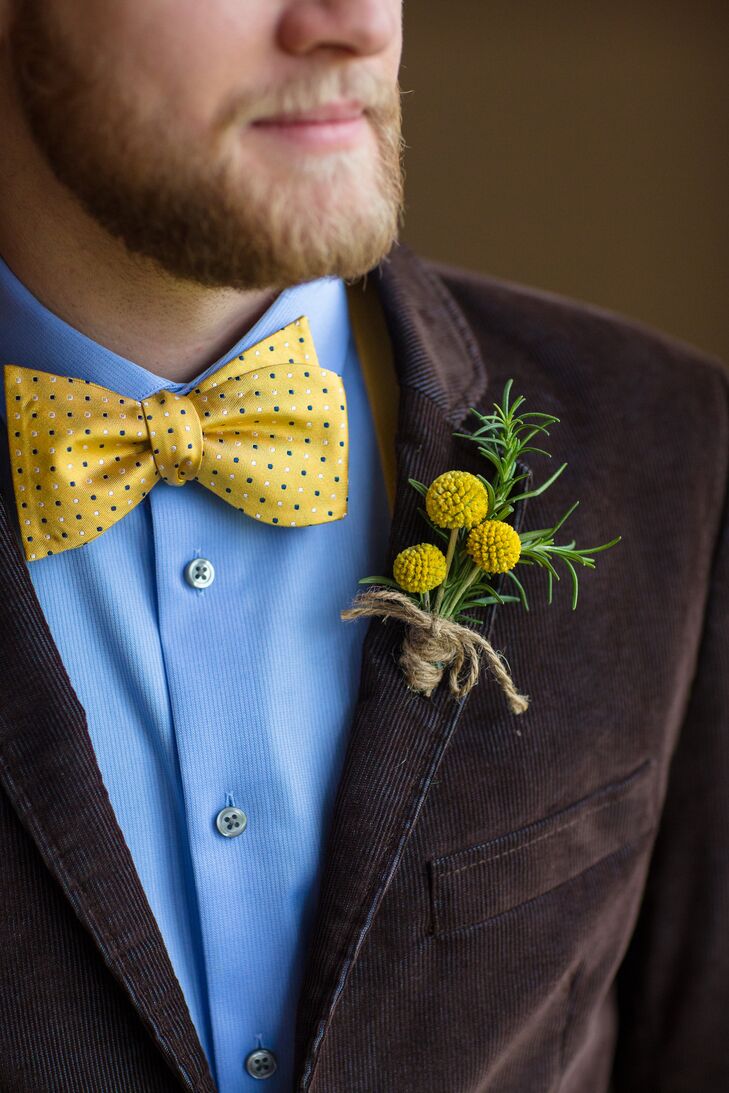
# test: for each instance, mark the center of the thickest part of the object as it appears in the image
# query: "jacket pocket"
(471, 885)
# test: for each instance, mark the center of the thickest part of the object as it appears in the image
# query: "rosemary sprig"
(502, 437)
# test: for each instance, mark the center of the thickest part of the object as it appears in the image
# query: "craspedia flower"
(494, 546)
(456, 499)
(420, 568)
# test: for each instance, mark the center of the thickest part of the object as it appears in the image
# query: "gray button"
(231, 822)
(261, 1063)
(200, 572)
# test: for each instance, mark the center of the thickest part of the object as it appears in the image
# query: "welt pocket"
(471, 885)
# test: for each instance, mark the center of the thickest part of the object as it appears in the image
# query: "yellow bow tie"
(267, 432)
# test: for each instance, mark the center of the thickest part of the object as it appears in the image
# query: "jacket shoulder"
(545, 323)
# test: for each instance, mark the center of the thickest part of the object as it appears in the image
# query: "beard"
(190, 205)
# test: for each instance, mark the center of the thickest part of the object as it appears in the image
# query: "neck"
(86, 277)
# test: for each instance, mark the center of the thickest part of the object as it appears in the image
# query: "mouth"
(334, 124)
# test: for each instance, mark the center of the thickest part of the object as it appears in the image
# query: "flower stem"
(458, 593)
(449, 559)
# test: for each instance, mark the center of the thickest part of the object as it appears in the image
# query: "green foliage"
(502, 438)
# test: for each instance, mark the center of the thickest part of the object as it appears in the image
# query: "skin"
(158, 183)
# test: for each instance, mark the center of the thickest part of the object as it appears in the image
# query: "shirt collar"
(33, 336)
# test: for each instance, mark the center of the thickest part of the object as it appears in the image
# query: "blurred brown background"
(578, 147)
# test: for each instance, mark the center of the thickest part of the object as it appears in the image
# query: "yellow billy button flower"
(419, 568)
(456, 499)
(494, 545)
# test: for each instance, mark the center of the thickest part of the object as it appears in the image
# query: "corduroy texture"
(508, 904)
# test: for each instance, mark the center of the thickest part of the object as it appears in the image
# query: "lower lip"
(313, 135)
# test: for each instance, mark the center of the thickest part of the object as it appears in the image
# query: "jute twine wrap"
(433, 643)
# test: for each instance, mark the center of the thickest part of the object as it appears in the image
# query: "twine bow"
(433, 643)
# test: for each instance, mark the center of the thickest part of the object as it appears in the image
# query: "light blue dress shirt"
(239, 693)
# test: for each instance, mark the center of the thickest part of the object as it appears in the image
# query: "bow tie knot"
(175, 436)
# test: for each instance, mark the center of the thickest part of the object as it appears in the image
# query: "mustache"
(379, 97)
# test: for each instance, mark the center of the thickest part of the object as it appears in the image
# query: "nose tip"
(175, 436)
(359, 26)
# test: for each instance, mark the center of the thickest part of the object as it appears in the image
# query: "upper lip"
(328, 112)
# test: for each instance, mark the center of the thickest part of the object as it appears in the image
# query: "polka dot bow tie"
(267, 432)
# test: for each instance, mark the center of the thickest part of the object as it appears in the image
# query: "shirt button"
(231, 822)
(261, 1063)
(200, 573)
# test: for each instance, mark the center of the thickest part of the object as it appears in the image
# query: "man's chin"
(289, 164)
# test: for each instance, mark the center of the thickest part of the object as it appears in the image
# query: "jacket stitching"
(539, 838)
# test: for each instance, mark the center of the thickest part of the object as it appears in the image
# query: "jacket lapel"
(49, 770)
(397, 737)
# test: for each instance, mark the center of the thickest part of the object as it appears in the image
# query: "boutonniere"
(433, 589)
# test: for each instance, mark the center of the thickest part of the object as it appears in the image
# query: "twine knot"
(433, 643)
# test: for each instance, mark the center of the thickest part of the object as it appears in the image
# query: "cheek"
(185, 57)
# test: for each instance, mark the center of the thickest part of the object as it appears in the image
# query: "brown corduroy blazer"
(512, 904)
